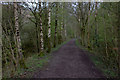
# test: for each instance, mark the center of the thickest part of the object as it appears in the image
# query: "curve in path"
(69, 62)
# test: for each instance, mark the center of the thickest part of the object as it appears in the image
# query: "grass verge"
(33, 63)
(58, 46)
(97, 60)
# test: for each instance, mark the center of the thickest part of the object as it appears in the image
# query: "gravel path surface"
(69, 62)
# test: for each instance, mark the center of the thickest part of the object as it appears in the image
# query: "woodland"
(31, 31)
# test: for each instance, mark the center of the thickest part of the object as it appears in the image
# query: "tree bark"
(41, 30)
(96, 27)
(18, 40)
(118, 35)
(49, 27)
(56, 16)
(14, 61)
(88, 34)
(37, 37)
(105, 37)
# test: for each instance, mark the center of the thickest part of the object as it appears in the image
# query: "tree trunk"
(49, 27)
(45, 29)
(14, 61)
(18, 40)
(65, 31)
(88, 34)
(62, 26)
(118, 35)
(41, 30)
(96, 27)
(37, 37)
(56, 16)
(105, 37)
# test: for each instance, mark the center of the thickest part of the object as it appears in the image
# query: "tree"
(88, 33)
(56, 21)
(41, 30)
(118, 40)
(34, 12)
(96, 25)
(49, 27)
(18, 40)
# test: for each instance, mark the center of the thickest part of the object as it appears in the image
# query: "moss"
(49, 46)
(15, 65)
(41, 54)
(49, 49)
(33, 63)
(22, 64)
(59, 39)
(12, 73)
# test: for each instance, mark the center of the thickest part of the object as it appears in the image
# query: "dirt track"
(69, 62)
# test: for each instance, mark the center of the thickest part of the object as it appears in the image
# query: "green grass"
(35, 63)
(58, 46)
(97, 60)
(101, 65)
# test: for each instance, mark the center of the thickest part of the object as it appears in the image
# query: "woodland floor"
(69, 62)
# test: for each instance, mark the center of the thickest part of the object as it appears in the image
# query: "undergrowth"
(33, 63)
(98, 61)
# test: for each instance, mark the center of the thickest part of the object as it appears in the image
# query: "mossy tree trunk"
(18, 39)
(45, 25)
(96, 26)
(14, 60)
(37, 37)
(105, 38)
(41, 30)
(56, 20)
(88, 33)
(49, 27)
(118, 35)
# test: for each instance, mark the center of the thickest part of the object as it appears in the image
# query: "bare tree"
(41, 29)
(49, 27)
(18, 39)
(56, 21)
